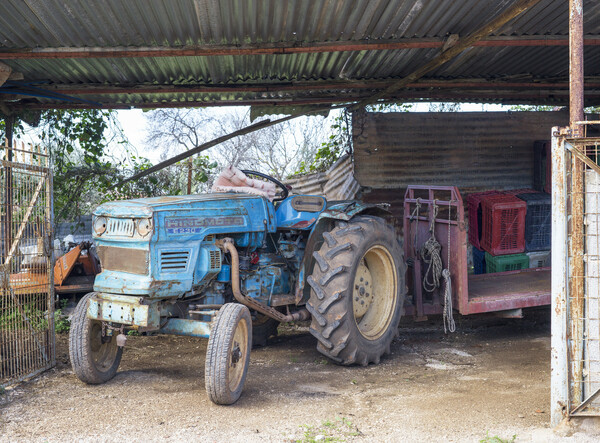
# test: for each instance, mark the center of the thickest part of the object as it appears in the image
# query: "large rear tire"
(357, 291)
(94, 358)
(228, 354)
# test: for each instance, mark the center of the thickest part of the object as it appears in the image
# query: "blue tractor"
(231, 267)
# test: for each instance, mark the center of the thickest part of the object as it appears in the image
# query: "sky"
(134, 123)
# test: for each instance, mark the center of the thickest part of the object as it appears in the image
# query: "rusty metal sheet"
(341, 184)
(337, 183)
(113, 258)
(150, 27)
(471, 150)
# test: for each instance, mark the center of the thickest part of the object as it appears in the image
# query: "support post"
(559, 377)
(576, 293)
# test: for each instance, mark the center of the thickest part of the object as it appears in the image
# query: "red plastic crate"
(503, 224)
(515, 192)
(475, 216)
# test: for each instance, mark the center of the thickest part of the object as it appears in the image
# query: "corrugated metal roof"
(69, 25)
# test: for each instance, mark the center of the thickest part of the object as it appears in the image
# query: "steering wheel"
(284, 190)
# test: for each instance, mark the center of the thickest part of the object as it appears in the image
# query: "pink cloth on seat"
(232, 179)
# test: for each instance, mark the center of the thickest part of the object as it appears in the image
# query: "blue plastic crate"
(538, 221)
(478, 261)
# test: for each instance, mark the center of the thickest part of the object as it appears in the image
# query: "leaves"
(78, 142)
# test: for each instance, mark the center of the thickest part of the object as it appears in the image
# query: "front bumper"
(123, 283)
(125, 309)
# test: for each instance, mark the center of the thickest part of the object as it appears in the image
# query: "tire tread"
(332, 325)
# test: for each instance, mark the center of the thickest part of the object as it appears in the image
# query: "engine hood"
(145, 207)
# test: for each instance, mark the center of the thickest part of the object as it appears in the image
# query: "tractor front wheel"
(95, 356)
(357, 291)
(228, 354)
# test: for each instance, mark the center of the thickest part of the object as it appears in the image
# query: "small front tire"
(228, 354)
(95, 358)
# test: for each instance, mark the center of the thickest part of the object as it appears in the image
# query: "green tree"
(79, 142)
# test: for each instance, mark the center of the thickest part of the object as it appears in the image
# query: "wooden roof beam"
(540, 96)
(322, 86)
(278, 48)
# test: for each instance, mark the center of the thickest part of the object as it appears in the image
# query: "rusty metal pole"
(559, 375)
(9, 122)
(576, 292)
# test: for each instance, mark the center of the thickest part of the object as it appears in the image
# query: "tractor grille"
(134, 261)
(215, 259)
(209, 238)
(174, 261)
(120, 226)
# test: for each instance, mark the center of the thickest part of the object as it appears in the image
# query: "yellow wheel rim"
(374, 293)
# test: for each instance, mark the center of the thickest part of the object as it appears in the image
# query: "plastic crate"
(503, 223)
(541, 166)
(504, 263)
(474, 208)
(516, 192)
(539, 259)
(478, 261)
(538, 221)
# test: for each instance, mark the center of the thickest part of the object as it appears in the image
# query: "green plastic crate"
(503, 263)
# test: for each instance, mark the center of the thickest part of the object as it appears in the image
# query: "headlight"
(100, 225)
(144, 226)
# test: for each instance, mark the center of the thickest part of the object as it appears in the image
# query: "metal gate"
(26, 268)
(575, 276)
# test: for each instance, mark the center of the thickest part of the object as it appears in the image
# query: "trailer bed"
(509, 290)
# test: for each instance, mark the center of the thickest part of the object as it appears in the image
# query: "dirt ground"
(490, 379)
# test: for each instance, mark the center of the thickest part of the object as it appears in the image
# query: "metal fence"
(576, 277)
(26, 268)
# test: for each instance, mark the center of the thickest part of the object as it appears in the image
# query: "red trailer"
(439, 210)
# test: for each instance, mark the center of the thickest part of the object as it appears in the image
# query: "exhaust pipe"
(227, 245)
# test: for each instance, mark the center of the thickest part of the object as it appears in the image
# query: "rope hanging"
(448, 315)
(430, 254)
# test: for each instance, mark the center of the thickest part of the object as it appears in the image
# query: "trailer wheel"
(263, 328)
(228, 354)
(357, 291)
(94, 358)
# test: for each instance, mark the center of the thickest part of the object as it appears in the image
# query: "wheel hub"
(362, 296)
(236, 354)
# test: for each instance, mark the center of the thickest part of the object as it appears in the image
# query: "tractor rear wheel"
(94, 357)
(263, 328)
(357, 291)
(228, 354)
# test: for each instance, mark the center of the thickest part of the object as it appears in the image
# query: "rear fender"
(343, 210)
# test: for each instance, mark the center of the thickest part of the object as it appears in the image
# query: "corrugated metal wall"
(337, 183)
(472, 150)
